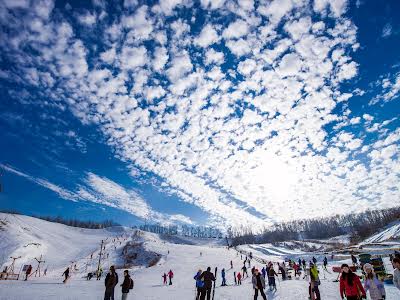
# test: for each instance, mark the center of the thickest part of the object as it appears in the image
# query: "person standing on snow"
(66, 275)
(396, 273)
(208, 281)
(110, 282)
(350, 285)
(28, 272)
(373, 284)
(263, 272)
(126, 285)
(239, 278)
(164, 278)
(231, 265)
(223, 277)
(170, 276)
(244, 270)
(234, 277)
(258, 284)
(313, 289)
(283, 271)
(199, 285)
(314, 260)
(325, 263)
(354, 260)
(271, 277)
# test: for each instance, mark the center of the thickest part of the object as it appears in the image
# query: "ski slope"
(60, 244)
(392, 232)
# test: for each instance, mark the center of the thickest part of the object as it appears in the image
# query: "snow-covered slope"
(59, 245)
(392, 232)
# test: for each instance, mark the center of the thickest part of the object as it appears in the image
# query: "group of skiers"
(168, 275)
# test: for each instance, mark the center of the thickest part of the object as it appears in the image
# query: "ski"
(215, 275)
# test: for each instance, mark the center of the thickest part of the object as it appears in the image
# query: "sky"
(220, 113)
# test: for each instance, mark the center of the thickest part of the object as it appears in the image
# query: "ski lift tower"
(12, 266)
(40, 261)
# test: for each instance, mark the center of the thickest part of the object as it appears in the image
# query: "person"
(28, 272)
(110, 282)
(373, 284)
(258, 284)
(45, 272)
(350, 285)
(234, 277)
(296, 268)
(164, 278)
(396, 273)
(199, 285)
(89, 276)
(170, 276)
(239, 278)
(299, 262)
(354, 260)
(314, 260)
(208, 281)
(126, 285)
(283, 272)
(313, 288)
(99, 273)
(263, 272)
(303, 262)
(231, 265)
(244, 270)
(66, 275)
(271, 277)
(325, 263)
(223, 277)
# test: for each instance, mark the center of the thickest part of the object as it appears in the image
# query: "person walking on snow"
(66, 275)
(313, 289)
(325, 263)
(164, 278)
(110, 282)
(271, 277)
(245, 271)
(350, 285)
(239, 278)
(199, 285)
(208, 281)
(258, 285)
(223, 277)
(170, 276)
(231, 265)
(396, 273)
(283, 271)
(373, 284)
(126, 285)
(28, 272)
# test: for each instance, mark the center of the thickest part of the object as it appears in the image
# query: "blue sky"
(225, 113)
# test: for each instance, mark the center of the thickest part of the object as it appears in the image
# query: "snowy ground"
(183, 259)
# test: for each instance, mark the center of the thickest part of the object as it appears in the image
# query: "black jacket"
(208, 278)
(126, 284)
(111, 281)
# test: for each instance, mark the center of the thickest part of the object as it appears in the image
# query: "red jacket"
(351, 290)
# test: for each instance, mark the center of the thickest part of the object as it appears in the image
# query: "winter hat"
(368, 266)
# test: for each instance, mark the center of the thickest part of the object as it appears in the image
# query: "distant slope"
(392, 232)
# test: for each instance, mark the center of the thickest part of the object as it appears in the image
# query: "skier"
(325, 263)
(66, 275)
(28, 272)
(164, 278)
(231, 265)
(234, 277)
(199, 285)
(223, 277)
(313, 289)
(110, 282)
(396, 273)
(170, 276)
(350, 284)
(373, 284)
(258, 284)
(208, 281)
(245, 271)
(126, 285)
(239, 278)
(271, 277)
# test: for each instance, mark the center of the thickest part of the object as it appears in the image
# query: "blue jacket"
(199, 282)
(223, 273)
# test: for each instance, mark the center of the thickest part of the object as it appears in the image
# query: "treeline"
(184, 230)
(69, 222)
(358, 225)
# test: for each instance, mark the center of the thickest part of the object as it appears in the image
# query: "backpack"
(131, 284)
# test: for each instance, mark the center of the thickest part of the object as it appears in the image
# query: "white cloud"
(133, 57)
(387, 30)
(207, 37)
(87, 19)
(236, 30)
(180, 66)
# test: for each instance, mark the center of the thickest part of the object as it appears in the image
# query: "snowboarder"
(199, 285)
(126, 285)
(258, 284)
(110, 282)
(396, 273)
(28, 272)
(66, 275)
(164, 278)
(170, 276)
(350, 284)
(313, 289)
(239, 278)
(223, 277)
(271, 277)
(208, 278)
(373, 284)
